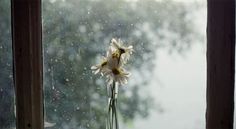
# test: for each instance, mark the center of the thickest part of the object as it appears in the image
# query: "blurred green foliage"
(76, 34)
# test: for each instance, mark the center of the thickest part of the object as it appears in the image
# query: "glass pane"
(167, 86)
(7, 117)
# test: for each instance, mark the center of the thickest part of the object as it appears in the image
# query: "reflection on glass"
(77, 32)
(7, 117)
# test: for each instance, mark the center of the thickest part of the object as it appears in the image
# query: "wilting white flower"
(112, 65)
(100, 67)
(124, 51)
(111, 60)
(118, 75)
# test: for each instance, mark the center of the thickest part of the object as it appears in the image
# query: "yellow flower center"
(116, 54)
(116, 71)
(104, 63)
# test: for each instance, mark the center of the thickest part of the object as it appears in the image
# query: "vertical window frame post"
(27, 61)
(220, 64)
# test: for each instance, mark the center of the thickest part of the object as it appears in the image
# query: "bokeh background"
(167, 86)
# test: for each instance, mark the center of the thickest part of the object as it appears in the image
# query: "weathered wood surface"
(220, 64)
(27, 55)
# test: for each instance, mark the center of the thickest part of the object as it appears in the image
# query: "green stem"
(117, 124)
(112, 106)
(112, 111)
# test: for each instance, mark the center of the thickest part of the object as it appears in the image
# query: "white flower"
(113, 58)
(118, 75)
(112, 65)
(124, 51)
(100, 67)
(115, 72)
(110, 61)
(112, 70)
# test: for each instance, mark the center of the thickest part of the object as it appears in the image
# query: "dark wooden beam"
(27, 54)
(220, 64)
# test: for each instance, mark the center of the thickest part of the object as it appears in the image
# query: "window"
(7, 117)
(70, 51)
(168, 63)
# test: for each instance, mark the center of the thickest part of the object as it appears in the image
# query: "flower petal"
(94, 67)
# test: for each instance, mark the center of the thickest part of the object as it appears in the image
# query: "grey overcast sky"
(183, 86)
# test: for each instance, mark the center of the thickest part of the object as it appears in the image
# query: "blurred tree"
(75, 34)
(7, 119)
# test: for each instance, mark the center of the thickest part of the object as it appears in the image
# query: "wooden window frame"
(27, 59)
(27, 63)
(220, 64)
